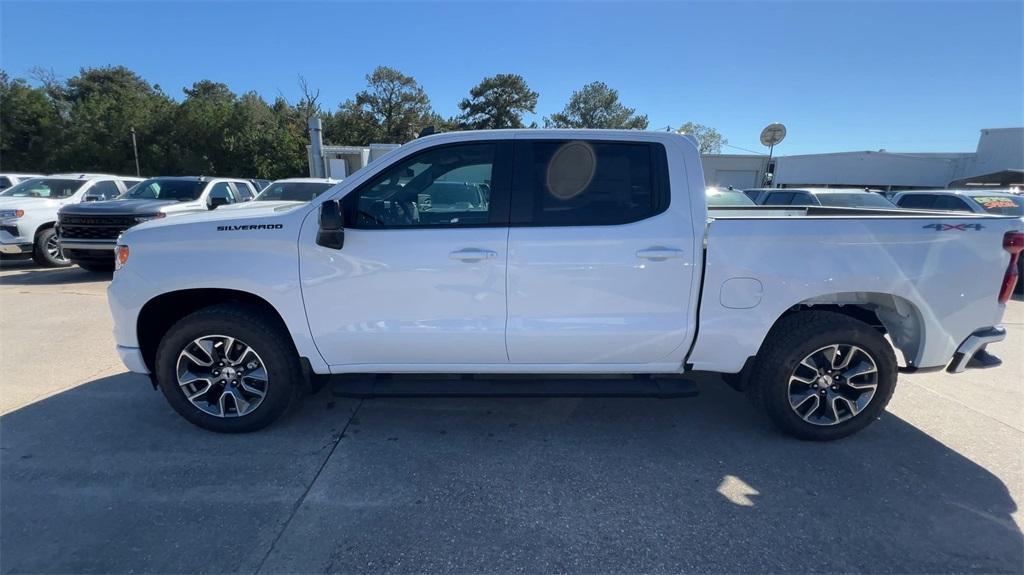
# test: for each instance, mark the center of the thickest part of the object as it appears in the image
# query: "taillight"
(1013, 242)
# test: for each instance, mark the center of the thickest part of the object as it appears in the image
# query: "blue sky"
(912, 76)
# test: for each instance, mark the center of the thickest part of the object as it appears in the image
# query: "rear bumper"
(974, 344)
(131, 357)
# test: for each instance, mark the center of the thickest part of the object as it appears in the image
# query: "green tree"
(352, 125)
(30, 127)
(203, 122)
(708, 139)
(105, 104)
(596, 106)
(497, 102)
(393, 108)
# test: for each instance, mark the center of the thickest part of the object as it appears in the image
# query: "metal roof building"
(998, 160)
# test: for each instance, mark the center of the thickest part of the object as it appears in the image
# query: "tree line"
(85, 123)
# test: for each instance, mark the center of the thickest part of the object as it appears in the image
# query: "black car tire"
(257, 329)
(41, 255)
(791, 341)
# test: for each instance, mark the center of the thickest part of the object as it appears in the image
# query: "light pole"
(135, 147)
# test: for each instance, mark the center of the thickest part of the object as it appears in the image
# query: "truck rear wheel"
(46, 250)
(228, 368)
(822, 375)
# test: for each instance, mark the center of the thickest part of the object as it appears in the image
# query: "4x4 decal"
(954, 227)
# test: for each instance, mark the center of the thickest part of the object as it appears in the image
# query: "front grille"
(94, 227)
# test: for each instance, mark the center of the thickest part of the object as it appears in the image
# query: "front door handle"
(659, 253)
(472, 255)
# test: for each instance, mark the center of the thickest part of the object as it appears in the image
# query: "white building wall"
(998, 149)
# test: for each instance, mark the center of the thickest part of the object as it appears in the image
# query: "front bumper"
(11, 249)
(93, 245)
(975, 345)
(131, 357)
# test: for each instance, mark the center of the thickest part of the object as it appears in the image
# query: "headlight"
(11, 213)
(148, 217)
(121, 253)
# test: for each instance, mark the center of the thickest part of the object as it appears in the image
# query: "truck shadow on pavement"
(28, 273)
(106, 478)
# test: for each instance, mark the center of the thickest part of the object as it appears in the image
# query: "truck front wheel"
(46, 250)
(228, 368)
(822, 375)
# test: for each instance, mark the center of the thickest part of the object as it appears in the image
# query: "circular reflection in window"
(571, 169)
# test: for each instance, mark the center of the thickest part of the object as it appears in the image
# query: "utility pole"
(135, 147)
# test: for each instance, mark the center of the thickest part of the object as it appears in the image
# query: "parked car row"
(76, 218)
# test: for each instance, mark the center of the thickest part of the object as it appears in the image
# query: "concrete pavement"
(97, 474)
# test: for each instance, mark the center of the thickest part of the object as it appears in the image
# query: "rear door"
(600, 256)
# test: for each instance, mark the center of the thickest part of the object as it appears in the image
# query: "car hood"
(29, 203)
(125, 206)
(261, 204)
(221, 215)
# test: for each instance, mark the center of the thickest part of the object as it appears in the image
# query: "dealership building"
(998, 161)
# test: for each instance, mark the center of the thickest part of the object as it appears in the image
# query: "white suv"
(28, 211)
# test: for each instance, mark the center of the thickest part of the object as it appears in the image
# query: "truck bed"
(934, 277)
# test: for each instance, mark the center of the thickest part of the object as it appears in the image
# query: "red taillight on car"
(1013, 242)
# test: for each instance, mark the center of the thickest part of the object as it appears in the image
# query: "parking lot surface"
(97, 474)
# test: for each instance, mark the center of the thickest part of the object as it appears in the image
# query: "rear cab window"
(588, 183)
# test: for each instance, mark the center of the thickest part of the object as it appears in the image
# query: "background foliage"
(84, 123)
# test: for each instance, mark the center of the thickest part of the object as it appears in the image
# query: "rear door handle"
(472, 255)
(659, 253)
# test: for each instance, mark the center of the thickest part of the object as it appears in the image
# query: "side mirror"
(214, 202)
(332, 232)
(92, 198)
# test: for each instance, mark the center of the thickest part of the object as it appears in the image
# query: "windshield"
(166, 189)
(867, 200)
(720, 198)
(1001, 205)
(293, 191)
(44, 188)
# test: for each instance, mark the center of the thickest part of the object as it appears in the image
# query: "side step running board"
(524, 386)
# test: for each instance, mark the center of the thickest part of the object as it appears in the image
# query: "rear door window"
(244, 191)
(588, 183)
(103, 190)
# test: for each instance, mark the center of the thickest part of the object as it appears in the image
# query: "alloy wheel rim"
(54, 250)
(222, 376)
(833, 384)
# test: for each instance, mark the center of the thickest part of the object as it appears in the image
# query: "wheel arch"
(895, 316)
(161, 312)
(41, 228)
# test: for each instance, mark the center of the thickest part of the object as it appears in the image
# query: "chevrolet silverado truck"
(87, 232)
(28, 211)
(592, 252)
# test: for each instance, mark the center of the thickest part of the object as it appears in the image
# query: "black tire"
(41, 255)
(792, 340)
(97, 266)
(263, 334)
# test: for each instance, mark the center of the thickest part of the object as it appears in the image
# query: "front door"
(600, 262)
(420, 281)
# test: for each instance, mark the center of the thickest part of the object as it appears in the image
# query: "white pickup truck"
(556, 251)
